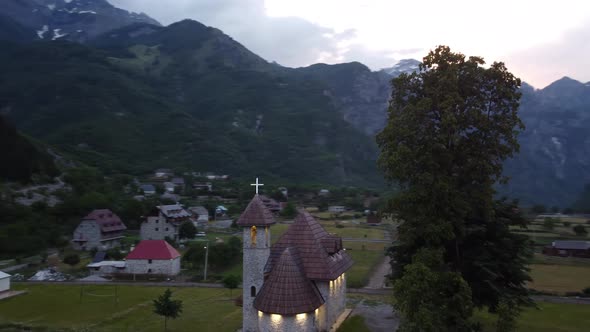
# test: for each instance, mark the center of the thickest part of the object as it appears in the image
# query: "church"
(297, 284)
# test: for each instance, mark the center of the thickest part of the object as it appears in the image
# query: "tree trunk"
(165, 323)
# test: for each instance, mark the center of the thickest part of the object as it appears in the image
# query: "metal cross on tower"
(257, 185)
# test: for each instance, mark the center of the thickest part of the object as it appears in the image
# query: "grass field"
(550, 317)
(354, 324)
(559, 278)
(59, 306)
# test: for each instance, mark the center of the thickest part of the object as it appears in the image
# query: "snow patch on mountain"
(41, 33)
(57, 34)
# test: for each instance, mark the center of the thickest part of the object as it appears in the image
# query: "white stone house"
(164, 221)
(101, 229)
(169, 187)
(153, 257)
(163, 173)
(4, 282)
(297, 284)
(336, 208)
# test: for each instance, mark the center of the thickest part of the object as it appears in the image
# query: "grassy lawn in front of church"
(61, 307)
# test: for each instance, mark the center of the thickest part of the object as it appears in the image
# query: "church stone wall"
(334, 292)
(255, 258)
(278, 323)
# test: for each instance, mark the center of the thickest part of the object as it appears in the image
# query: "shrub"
(580, 230)
(72, 259)
(548, 223)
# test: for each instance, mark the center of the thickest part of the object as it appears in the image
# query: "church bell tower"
(255, 222)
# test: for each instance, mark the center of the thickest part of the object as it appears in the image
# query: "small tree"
(548, 223)
(165, 306)
(232, 282)
(72, 259)
(187, 230)
(115, 254)
(289, 211)
(580, 230)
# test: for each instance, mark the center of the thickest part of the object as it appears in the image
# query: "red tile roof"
(107, 220)
(287, 291)
(256, 214)
(322, 254)
(153, 249)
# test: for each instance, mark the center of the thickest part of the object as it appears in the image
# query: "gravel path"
(377, 280)
(379, 317)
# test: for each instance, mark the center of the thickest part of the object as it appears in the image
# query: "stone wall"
(143, 266)
(334, 292)
(156, 228)
(4, 284)
(255, 258)
(90, 231)
(278, 323)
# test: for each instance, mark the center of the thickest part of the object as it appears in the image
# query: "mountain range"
(119, 91)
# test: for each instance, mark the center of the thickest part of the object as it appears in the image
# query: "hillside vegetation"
(162, 99)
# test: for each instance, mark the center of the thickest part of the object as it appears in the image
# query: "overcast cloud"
(540, 41)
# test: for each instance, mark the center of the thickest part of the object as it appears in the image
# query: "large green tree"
(451, 126)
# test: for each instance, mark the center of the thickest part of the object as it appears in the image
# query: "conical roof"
(287, 291)
(256, 214)
(322, 254)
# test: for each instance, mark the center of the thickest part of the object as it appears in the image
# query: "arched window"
(253, 291)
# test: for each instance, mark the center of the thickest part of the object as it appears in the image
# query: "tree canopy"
(450, 127)
(187, 230)
(165, 306)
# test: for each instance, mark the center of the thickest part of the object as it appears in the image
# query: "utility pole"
(206, 258)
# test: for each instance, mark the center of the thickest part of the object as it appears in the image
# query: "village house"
(271, 204)
(105, 268)
(203, 186)
(336, 209)
(297, 284)
(164, 221)
(373, 218)
(163, 173)
(153, 257)
(200, 215)
(170, 197)
(169, 187)
(148, 189)
(4, 282)
(178, 184)
(101, 229)
(568, 248)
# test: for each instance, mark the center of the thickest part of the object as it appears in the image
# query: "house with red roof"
(100, 229)
(297, 284)
(153, 257)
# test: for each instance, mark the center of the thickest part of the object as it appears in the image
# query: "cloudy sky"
(539, 40)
